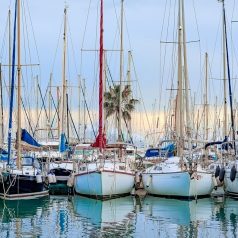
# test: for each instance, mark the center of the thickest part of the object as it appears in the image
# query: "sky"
(146, 24)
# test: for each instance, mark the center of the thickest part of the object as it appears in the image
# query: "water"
(62, 216)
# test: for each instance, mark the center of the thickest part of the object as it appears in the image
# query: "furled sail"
(64, 145)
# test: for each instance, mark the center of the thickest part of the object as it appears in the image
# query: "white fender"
(54, 178)
(70, 182)
(51, 178)
(214, 180)
(39, 178)
(148, 181)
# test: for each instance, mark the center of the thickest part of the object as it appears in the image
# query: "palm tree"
(111, 102)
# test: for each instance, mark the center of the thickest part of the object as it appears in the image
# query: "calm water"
(58, 216)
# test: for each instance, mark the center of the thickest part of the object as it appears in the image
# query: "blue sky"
(143, 33)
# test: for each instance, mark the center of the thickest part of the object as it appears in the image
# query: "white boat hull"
(230, 187)
(104, 183)
(178, 184)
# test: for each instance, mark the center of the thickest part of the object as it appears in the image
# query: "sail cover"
(63, 146)
(26, 137)
(165, 151)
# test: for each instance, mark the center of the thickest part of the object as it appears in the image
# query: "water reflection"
(62, 216)
(178, 211)
(21, 217)
(108, 218)
(177, 218)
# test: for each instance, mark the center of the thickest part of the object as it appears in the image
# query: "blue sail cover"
(63, 146)
(155, 152)
(3, 154)
(26, 137)
(152, 153)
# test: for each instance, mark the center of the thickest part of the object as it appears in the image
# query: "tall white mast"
(63, 95)
(121, 78)
(206, 98)
(179, 106)
(186, 84)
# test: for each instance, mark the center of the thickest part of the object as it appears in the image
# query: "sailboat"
(61, 167)
(21, 178)
(180, 175)
(107, 172)
(229, 160)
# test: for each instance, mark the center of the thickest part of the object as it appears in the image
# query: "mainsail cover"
(26, 137)
(165, 151)
(64, 145)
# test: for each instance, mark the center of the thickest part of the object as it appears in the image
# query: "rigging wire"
(84, 33)
(57, 46)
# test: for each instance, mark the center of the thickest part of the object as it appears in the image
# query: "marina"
(101, 138)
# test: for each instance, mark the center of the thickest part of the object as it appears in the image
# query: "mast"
(19, 85)
(63, 96)
(104, 86)
(179, 106)
(9, 138)
(9, 46)
(84, 111)
(101, 87)
(188, 122)
(37, 103)
(67, 114)
(121, 77)
(206, 100)
(79, 106)
(229, 78)
(225, 133)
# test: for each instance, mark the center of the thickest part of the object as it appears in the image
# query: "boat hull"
(231, 188)
(103, 184)
(178, 184)
(21, 187)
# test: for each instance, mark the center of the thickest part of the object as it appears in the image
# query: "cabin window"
(27, 161)
(157, 168)
(82, 168)
(122, 167)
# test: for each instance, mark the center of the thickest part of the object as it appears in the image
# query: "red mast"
(100, 130)
(100, 140)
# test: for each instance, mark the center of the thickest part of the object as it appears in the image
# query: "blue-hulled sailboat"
(108, 173)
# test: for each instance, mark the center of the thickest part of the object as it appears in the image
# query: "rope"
(3, 185)
(11, 183)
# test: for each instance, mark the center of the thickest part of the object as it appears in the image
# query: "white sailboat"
(229, 163)
(180, 175)
(59, 165)
(108, 173)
